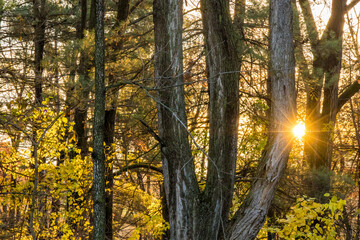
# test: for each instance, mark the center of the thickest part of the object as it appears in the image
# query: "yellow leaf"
(64, 119)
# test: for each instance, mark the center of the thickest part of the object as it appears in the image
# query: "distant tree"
(39, 8)
(110, 113)
(322, 77)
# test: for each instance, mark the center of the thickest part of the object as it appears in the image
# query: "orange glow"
(299, 130)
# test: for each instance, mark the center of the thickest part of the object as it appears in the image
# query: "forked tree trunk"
(320, 122)
(195, 214)
(326, 64)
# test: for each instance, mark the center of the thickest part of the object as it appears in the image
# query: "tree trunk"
(39, 43)
(99, 125)
(109, 132)
(84, 83)
(330, 64)
(180, 183)
(239, 16)
(81, 109)
(223, 83)
(252, 215)
(325, 78)
(204, 215)
(110, 117)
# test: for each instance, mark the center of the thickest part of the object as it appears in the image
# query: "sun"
(299, 130)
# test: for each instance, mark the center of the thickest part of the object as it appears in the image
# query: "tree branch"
(310, 23)
(351, 5)
(151, 131)
(135, 166)
(348, 93)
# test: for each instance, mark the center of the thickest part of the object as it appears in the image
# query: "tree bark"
(39, 43)
(195, 214)
(252, 215)
(99, 125)
(180, 185)
(223, 82)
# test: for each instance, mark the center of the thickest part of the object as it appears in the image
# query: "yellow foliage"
(146, 211)
(64, 179)
(310, 220)
(63, 202)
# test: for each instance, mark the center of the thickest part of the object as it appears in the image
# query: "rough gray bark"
(180, 183)
(252, 215)
(223, 83)
(99, 125)
(204, 215)
(178, 167)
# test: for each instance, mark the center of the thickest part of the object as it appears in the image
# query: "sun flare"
(299, 130)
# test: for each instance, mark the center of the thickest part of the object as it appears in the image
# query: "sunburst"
(299, 130)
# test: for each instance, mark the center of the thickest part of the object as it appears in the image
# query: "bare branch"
(348, 94)
(310, 23)
(136, 166)
(351, 5)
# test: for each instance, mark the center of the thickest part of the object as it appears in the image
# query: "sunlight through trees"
(172, 119)
(299, 130)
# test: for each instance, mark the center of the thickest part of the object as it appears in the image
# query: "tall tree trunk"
(39, 43)
(84, 83)
(110, 117)
(320, 123)
(181, 188)
(252, 215)
(223, 82)
(326, 64)
(204, 215)
(99, 125)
